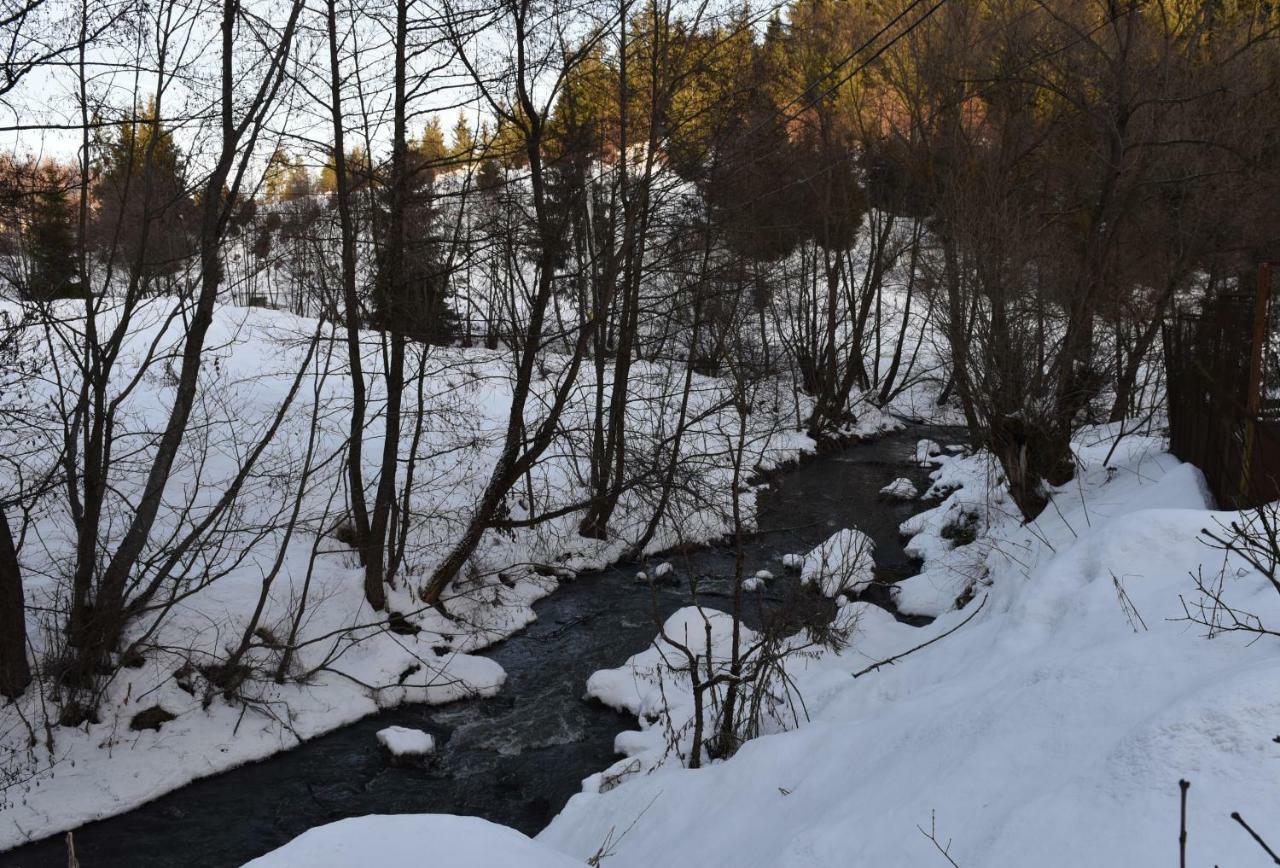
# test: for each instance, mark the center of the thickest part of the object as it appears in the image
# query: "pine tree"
(145, 219)
(328, 183)
(50, 240)
(431, 148)
(464, 143)
(276, 181)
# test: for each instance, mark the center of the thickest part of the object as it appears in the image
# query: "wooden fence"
(1224, 392)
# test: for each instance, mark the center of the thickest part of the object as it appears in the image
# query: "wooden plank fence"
(1224, 392)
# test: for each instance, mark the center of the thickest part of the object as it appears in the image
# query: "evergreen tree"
(276, 179)
(145, 219)
(50, 240)
(464, 144)
(431, 148)
(287, 178)
(328, 182)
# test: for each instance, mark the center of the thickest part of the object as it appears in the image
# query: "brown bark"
(104, 621)
(351, 311)
(15, 671)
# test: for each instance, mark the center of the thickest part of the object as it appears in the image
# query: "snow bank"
(654, 685)
(841, 564)
(1049, 730)
(926, 451)
(403, 741)
(406, 839)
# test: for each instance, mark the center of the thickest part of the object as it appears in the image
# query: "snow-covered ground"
(456, 842)
(60, 777)
(1048, 722)
(1051, 729)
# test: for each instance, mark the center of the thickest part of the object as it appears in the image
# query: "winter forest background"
(334, 335)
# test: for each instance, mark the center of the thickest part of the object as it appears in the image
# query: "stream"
(515, 758)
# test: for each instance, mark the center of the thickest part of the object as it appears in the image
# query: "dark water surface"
(518, 757)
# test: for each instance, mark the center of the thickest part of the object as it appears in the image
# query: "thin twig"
(1235, 815)
(932, 835)
(889, 661)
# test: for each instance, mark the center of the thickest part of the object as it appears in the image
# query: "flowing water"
(518, 757)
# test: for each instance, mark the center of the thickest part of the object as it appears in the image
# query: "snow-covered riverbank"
(1050, 728)
(60, 777)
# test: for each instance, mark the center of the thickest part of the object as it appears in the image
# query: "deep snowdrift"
(1052, 729)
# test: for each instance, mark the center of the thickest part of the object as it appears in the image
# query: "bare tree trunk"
(1137, 354)
(105, 621)
(15, 672)
(891, 376)
(517, 455)
(373, 590)
(394, 309)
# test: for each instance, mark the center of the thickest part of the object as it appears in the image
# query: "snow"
(900, 489)
(663, 569)
(654, 686)
(1051, 729)
(926, 451)
(841, 564)
(403, 741)
(752, 583)
(356, 666)
(764, 575)
(407, 839)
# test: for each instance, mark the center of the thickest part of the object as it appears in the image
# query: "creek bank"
(515, 758)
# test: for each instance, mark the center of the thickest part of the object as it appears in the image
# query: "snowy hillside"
(345, 662)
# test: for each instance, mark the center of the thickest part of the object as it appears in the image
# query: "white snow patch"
(403, 741)
(900, 489)
(926, 450)
(841, 564)
(407, 839)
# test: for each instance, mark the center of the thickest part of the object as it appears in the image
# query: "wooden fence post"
(1261, 310)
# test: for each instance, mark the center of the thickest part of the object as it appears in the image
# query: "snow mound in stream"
(841, 564)
(900, 489)
(403, 741)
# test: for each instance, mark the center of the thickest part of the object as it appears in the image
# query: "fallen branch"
(889, 661)
(932, 835)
